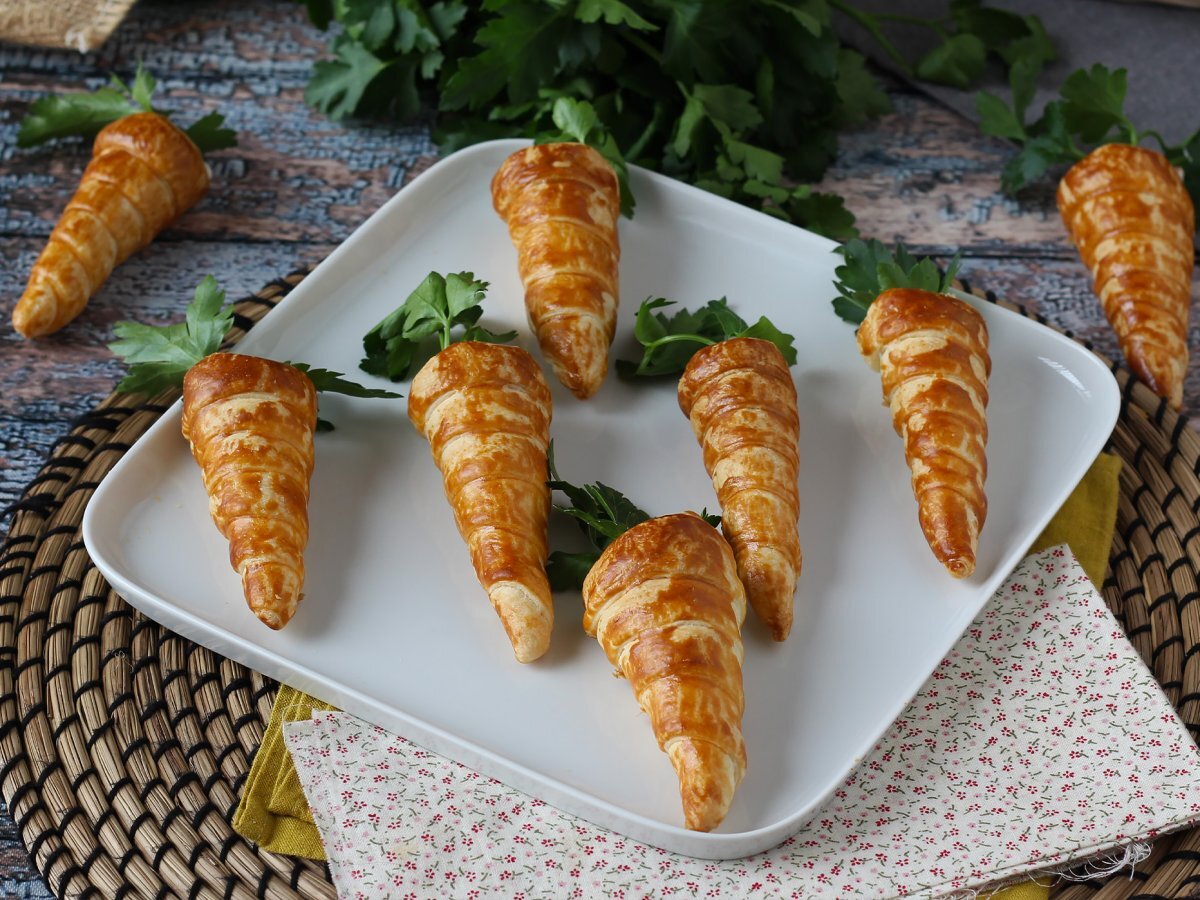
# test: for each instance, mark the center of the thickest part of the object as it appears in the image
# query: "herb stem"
(640, 43)
(673, 338)
(1158, 137)
(871, 23)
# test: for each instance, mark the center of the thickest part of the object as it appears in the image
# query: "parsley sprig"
(971, 35)
(160, 355)
(871, 268)
(603, 514)
(670, 341)
(84, 114)
(743, 98)
(428, 317)
(1090, 112)
(576, 120)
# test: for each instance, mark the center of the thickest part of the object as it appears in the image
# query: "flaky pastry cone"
(932, 352)
(741, 401)
(485, 409)
(144, 174)
(665, 603)
(561, 203)
(250, 423)
(1131, 219)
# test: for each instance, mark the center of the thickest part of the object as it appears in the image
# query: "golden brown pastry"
(932, 352)
(250, 423)
(485, 409)
(144, 174)
(665, 603)
(741, 401)
(561, 203)
(1131, 218)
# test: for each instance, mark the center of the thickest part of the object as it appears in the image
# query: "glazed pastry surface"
(932, 353)
(561, 203)
(250, 423)
(1132, 220)
(741, 401)
(485, 409)
(665, 603)
(143, 175)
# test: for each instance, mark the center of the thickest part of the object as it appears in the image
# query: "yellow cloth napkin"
(274, 812)
(1086, 521)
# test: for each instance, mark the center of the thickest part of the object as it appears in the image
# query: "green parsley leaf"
(1187, 157)
(320, 12)
(438, 305)
(84, 114)
(871, 268)
(959, 62)
(327, 382)
(161, 355)
(997, 28)
(576, 120)
(210, 134)
(614, 12)
(669, 342)
(997, 118)
(68, 115)
(1094, 101)
(337, 86)
(861, 96)
(143, 86)
(568, 571)
(602, 513)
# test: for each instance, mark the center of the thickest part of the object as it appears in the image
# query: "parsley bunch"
(603, 514)
(427, 317)
(84, 114)
(669, 342)
(1090, 112)
(871, 268)
(160, 355)
(741, 97)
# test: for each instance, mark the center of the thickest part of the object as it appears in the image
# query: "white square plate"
(394, 626)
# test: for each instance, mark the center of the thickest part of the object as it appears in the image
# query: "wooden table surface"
(298, 184)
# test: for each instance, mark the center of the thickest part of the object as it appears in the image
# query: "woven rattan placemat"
(123, 747)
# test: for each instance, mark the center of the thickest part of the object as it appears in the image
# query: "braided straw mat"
(123, 747)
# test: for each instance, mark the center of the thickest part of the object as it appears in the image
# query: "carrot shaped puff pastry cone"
(250, 423)
(144, 174)
(1133, 222)
(741, 401)
(931, 350)
(561, 203)
(665, 602)
(485, 409)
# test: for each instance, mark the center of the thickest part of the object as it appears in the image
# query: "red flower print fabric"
(1042, 739)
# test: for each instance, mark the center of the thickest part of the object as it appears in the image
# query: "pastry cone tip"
(527, 619)
(26, 321)
(708, 777)
(960, 566)
(770, 580)
(272, 593)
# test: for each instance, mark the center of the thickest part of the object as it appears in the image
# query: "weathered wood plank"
(925, 175)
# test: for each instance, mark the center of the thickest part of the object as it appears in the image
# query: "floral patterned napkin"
(1040, 741)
